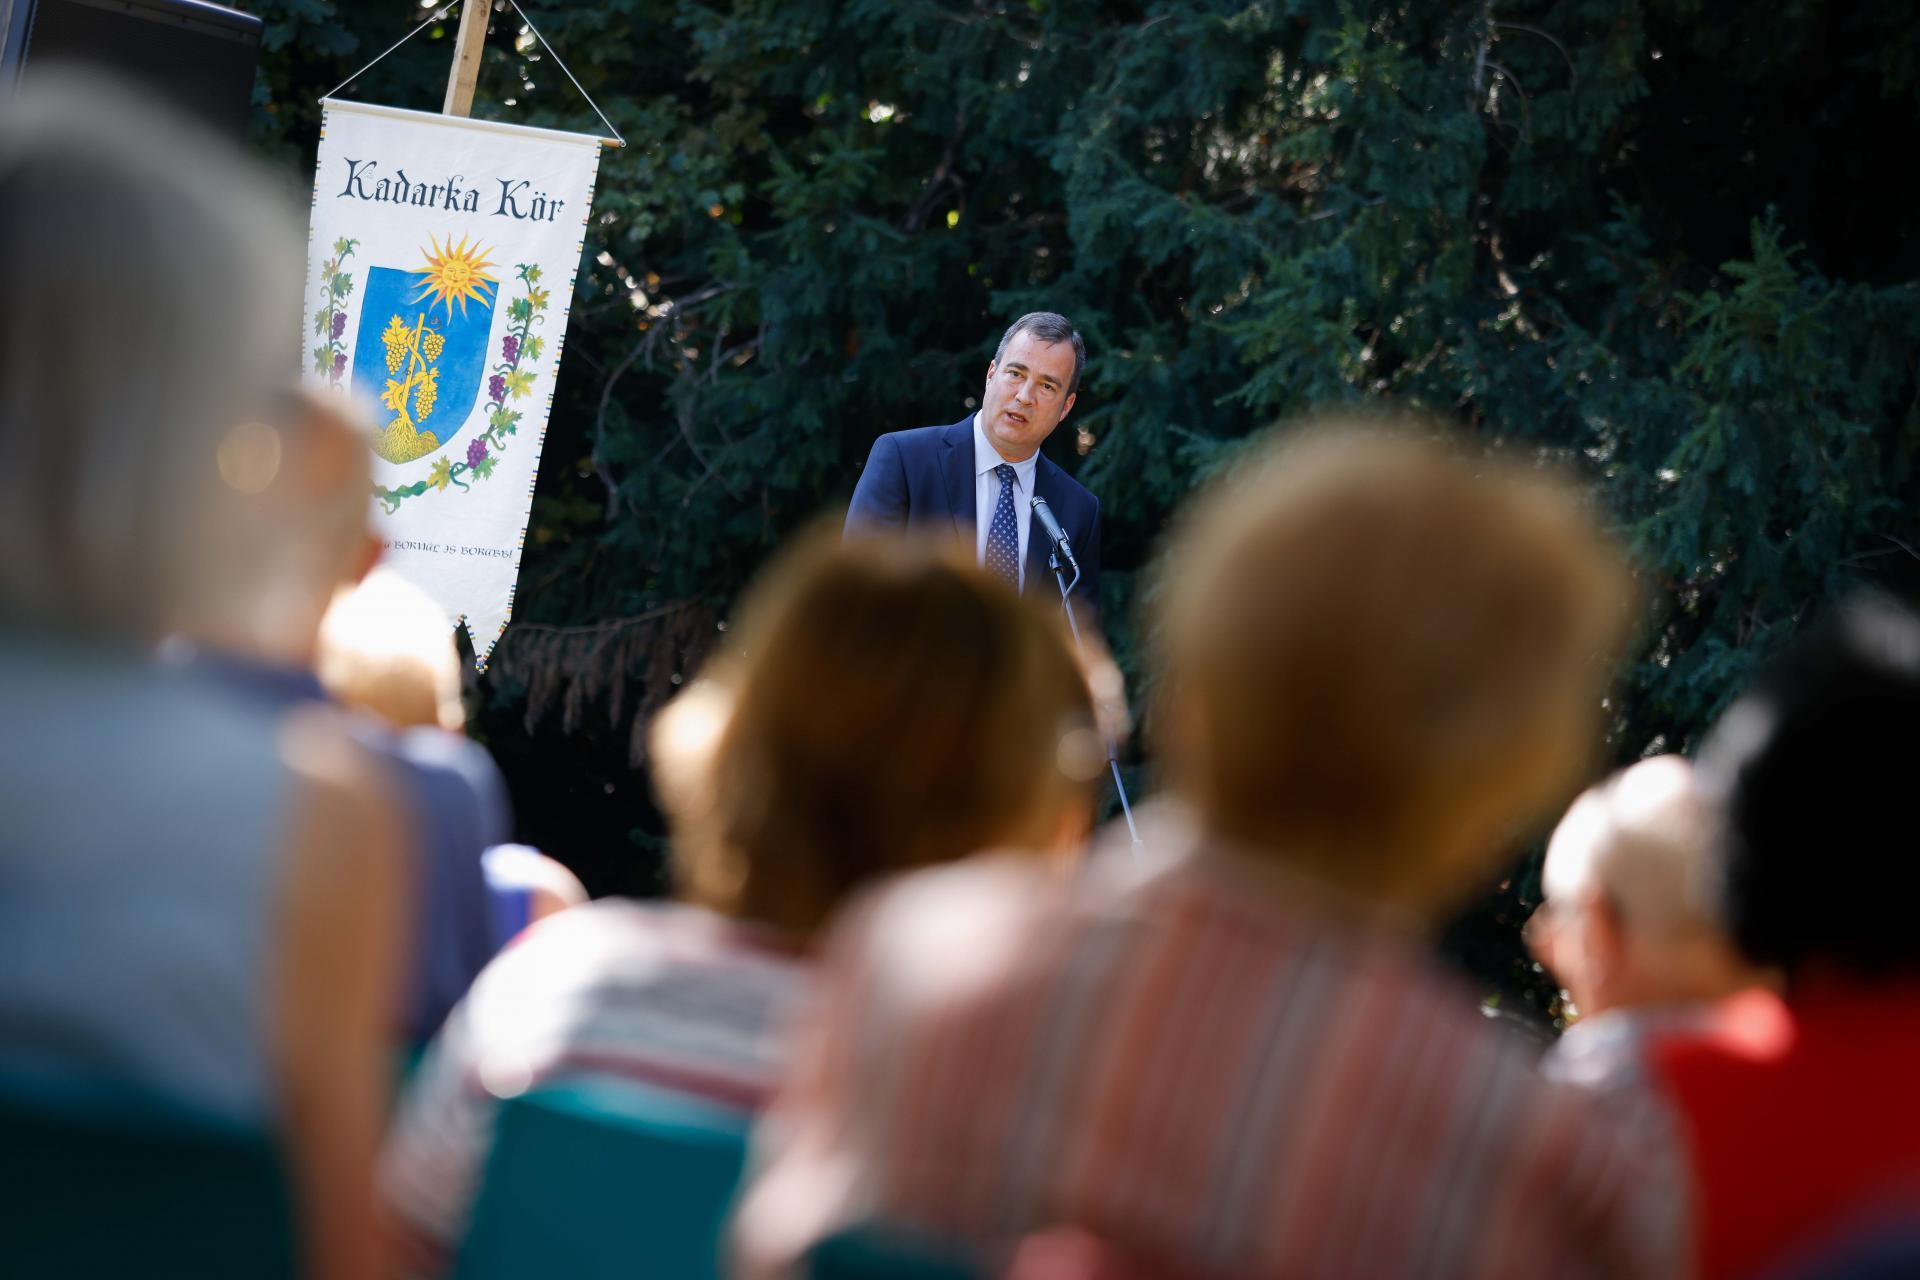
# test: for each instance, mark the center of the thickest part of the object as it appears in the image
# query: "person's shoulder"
(963, 926)
(610, 936)
(1067, 480)
(945, 903)
(552, 961)
(1610, 1051)
(1726, 1047)
(445, 751)
(916, 438)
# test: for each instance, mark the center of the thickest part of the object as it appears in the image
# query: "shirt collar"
(986, 458)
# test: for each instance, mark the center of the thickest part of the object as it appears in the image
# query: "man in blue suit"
(979, 476)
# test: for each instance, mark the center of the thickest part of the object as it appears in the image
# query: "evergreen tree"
(1668, 244)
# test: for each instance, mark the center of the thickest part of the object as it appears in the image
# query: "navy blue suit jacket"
(922, 480)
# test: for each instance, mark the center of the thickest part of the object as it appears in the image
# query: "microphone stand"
(1073, 625)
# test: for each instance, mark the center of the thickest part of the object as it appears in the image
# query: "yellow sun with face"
(456, 273)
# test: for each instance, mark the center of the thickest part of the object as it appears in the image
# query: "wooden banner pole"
(467, 48)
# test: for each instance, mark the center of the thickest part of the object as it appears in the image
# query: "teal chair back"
(101, 1180)
(878, 1252)
(593, 1180)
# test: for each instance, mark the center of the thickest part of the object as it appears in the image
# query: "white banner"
(440, 271)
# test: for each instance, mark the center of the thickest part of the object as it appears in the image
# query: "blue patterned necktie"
(1003, 535)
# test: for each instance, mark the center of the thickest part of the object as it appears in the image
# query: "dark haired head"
(1049, 327)
(1815, 768)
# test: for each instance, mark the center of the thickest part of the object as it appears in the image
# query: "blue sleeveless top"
(142, 828)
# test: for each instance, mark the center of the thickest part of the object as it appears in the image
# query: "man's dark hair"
(1815, 768)
(1050, 327)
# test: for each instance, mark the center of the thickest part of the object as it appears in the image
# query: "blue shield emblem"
(422, 347)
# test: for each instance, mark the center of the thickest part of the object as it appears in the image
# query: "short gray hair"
(153, 282)
(1050, 327)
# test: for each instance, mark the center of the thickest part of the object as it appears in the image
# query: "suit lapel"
(959, 469)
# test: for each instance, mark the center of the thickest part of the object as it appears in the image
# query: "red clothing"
(1197, 1065)
(1800, 1116)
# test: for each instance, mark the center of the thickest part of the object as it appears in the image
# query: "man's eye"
(1014, 374)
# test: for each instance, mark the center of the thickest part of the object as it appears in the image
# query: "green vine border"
(511, 378)
(330, 319)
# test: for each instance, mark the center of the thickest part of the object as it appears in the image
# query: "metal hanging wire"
(440, 14)
(618, 139)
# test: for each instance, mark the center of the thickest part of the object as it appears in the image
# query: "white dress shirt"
(986, 494)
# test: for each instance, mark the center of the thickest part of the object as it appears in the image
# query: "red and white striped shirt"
(670, 996)
(1198, 1066)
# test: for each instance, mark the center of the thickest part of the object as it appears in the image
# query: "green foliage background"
(1668, 243)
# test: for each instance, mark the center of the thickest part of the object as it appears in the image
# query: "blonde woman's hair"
(1382, 658)
(153, 300)
(387, 648)
(886, 705)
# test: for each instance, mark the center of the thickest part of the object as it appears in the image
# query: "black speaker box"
(199, 57)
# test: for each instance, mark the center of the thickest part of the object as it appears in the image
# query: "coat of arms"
(421, 351)
(422, 347)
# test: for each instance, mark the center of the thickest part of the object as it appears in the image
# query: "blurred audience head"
(1624, 919)
(884, 705)
(146, 352)
(1813, 768)
(681, 742)
(387, 648)
(1381, 658)
(320, 542)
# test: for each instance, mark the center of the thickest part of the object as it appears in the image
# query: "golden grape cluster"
(396, 337)
(399, 341)
(428, 391)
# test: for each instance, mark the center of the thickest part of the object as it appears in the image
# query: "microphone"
(1044, 514)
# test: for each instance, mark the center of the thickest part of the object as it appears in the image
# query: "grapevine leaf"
(343, 284)
(442, 474)
(519, 383)
(395, 396)
(531, 274)
(519, 309)
(319, 322)
(537, 298)
(533, 348)
(321, 359)
(484, 468)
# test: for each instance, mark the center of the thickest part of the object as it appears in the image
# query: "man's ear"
(1538, 937)
(991, 366)
(1603, 935)
(1067, 408)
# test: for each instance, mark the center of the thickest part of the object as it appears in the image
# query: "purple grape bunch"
(339, 324)
(339, 363)
(476, 453)
(496, 388)
(510, 348)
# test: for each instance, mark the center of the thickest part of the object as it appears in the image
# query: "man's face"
(1026, 395)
